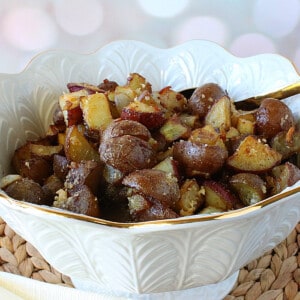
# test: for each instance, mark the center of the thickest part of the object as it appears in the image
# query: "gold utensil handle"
(288, 91)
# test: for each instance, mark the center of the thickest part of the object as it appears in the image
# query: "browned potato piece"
(199, 159)
(127, 153)
(245, 126)
(249, 187)
(284, 175)
(51, 185)
(138, 83)
(45, 151)
(191, 198)
(172, 101)
(60, 166)
(155, 211)
(204, 97)
(112, 175)
(6, 180)
(217, 195)
(145, 111)
(210, 210)
(34, 159)
(286, 143)
(58, 117)
(36, 168)
(108, 85)
(219, 114)
(80, 200)
(253, 155)
(77, 147)
(206, 135)
(20, 155)
(153, 183)
(126, 127)
(168, 165)
(27, 190)
(272, 117)
(96, 111)
(174, 129)
(138, 204)
(87, 173)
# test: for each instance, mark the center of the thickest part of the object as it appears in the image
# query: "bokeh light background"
(244, 27)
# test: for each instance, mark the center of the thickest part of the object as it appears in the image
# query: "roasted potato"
(95, 118)
(287, 143)
(51, 185)
(191, 198)
(174, 129)
(172, 101)
(144, 110)
(142, 182)
(204, 97)
(283, 176)
(127, 153)
(272, 117)
(27, 190)
(219, 196)
(157, 211)
(126, 127)
(199, 159)
(219, 114)
(87, 173)
(81, 200)
(253, 155)
(77, 147)
(249, 187)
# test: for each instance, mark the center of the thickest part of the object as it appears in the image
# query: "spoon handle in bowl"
(285, 92)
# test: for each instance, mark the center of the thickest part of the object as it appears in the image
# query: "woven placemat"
(275, 275)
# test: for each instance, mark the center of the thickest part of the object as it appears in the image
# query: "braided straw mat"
(275, 275)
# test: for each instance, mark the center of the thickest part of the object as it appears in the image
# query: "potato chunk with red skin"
(127, 153)
(145, 111)
(219, 196)
(87, 173)
(199, 159)
(204, 97)
(272, 117)
(148, 210)
(166, 189)
(147, 203)
(250, 188)
(253, 155)
(283, 176)
(126, 146)
(81, 200)
(27, 190)
(126, 127)
(191, 198)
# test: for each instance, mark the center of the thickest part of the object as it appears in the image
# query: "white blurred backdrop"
(244, 27)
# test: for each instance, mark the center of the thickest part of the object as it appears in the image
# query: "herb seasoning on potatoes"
(127, 153)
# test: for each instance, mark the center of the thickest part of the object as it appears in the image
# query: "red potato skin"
(228, 199)
(152, 120)
(166, 189)
(74, 116)
(121, 127)
(204, 97)
(156, 212)
(272, 117)
(127, 153)
(199, 160)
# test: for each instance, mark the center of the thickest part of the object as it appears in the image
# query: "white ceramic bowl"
(159, 257)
